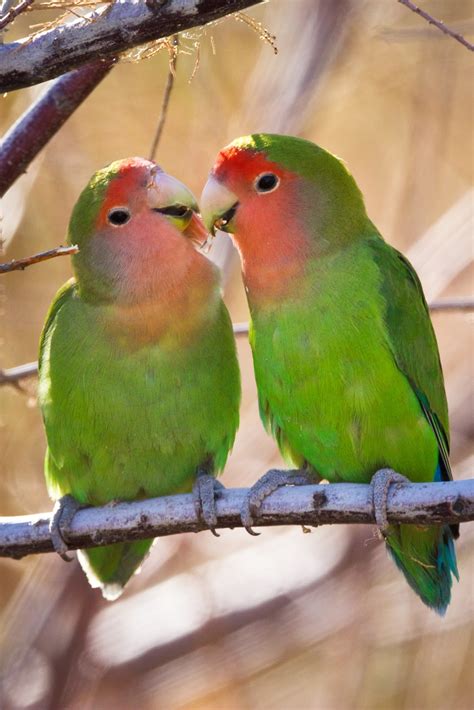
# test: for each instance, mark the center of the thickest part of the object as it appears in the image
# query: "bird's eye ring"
(266, 182)
(119, 216)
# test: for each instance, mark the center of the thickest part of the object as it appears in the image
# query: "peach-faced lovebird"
(346, 361)
(139, 382)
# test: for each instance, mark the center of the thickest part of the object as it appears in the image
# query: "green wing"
(413, 342)
(64, 294)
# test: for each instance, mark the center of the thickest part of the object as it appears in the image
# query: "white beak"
(165, 191)
(216, 200)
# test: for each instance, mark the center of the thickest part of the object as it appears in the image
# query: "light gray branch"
(438, 24)
(106, 32)
(14, 375)
(21, 264)
(423, 504)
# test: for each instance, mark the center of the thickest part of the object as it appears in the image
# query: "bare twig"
(107, 31)
(14, 12)
(453, 304)
(14, 375)
(420, 503)
(38, 125)
(21, 264)
(167, 95)
(448, 304)
(438, 23)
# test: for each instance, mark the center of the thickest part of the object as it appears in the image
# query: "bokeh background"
(288, 620)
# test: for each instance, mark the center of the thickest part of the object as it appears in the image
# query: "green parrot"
(139, 384)
(346, 362)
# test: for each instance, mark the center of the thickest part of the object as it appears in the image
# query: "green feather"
(127, 425)
(127, 419)
(347, 366)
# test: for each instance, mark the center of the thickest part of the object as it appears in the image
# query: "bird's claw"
(63, 513)
(206, 490)
(265, 486)
(380, 484)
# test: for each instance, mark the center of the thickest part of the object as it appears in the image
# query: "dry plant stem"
(14, 12)
(106, 32)
(437, 23)
(420, 503)
(21, 264)
(14, 375)
(166, 96)
(39, 123)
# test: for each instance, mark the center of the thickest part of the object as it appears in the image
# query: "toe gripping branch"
(265, 486)
(381, 482)
(63, 513)
(206, 490)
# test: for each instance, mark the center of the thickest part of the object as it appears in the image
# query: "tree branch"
(14, 12)
(13, 375)
(21, 264)
(453, 304)
(39, 123)
(420, 503)
(104, 33)
(437, 23)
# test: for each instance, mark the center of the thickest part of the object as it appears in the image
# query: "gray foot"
(269, 482)
(205, 491)
(63, 512)
(381, 482)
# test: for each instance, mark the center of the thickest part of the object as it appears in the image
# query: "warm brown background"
(284, 621)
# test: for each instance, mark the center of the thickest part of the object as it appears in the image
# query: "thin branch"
(21, 264)
(437, 23)
(167, 95)
(14, 12)
(418, 503)
(103, 33)
(14, 375)
(448, 304)
(44, 118)
(453, 304)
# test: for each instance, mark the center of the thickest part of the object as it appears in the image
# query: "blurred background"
(285, 621)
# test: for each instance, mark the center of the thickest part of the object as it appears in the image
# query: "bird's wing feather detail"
(413, 342)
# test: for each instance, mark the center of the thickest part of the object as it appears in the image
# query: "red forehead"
(244, 163)
(132, 175)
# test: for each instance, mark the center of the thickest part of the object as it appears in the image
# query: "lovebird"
(139, 384)
(346, 361)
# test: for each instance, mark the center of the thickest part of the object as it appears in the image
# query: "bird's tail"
(427, 558)
(110, 567)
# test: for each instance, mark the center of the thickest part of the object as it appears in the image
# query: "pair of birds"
(139, 381)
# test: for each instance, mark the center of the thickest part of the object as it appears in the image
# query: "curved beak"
(173, 199)
(165, 192)
(218, 206)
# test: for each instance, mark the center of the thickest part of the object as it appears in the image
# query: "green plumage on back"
(139, 382)
(346, 361)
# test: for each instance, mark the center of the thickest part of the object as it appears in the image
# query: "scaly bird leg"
(206, 490)
(63, 512)
(381, 482)
(269, 482)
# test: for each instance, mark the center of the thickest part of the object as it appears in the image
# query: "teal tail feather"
(110, 567)
(427, 558)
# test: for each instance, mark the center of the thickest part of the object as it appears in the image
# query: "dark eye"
(267, 182)
(119, 216)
